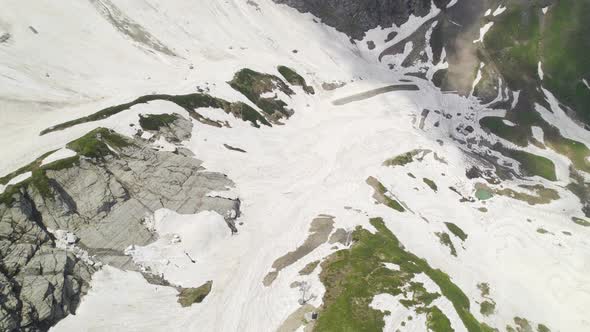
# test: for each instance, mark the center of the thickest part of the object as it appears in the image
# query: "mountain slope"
(424, 184)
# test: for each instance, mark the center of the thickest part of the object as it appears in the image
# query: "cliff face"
(356, 17)
(73, 215)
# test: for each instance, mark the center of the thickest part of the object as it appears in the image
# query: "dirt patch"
(320, 229)
(381, 195)
(308, 269)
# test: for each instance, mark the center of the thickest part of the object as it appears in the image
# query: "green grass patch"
(483, 193)
(27, 168)
(94, 145)
(308, 269)
(518, 135)
(189, 296)
(543, 328)
(514, 42)
(189, 102)
(564, 52)
(380, 195)
(484, 288)
(537, 194)
(353, 277)
(295, 79)
(445, 240)
(577, 152)
(522, 324)
(156, 121)
(487, 308)
(519, 39)
(406, 158)
(530, 164)
(253, 85)
(98, 143)
(431, 184)
(522, 36)
(581, 222)
(38, 179)
(456, 230)
(436, 321)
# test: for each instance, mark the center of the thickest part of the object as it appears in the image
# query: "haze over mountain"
(294, 165)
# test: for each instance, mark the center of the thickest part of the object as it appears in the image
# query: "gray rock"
(355, 17)
(107, 204)
(179, 131)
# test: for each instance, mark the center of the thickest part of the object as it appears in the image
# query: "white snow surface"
(60, 154)
(538, 133)
(315, 164)
(540, 70)
(499, 10)
(17, 179)
(482, 32)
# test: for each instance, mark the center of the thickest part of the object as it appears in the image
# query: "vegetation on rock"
(189, 296)
(295, 79)
(354, 276)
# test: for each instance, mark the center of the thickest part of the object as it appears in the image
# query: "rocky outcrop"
(356, 17)
(172, 127)
(103, 200)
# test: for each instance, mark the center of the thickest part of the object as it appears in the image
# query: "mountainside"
(294, 165)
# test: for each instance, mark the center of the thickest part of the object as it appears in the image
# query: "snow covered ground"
(315, 164)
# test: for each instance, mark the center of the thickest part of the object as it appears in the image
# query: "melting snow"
(477, 77)
(483, 31)
(62, 153)
(19, 178)
(499, 10)
(538, 134)
(509, 123)
(316, 163)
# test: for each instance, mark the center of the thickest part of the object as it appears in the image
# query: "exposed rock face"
(174, 128)
(355, 17)
(107, 203)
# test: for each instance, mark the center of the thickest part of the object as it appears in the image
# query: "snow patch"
(509, 123)
(60, 154)
(538, 134)
(392, 266)
(482, 32)
(477, 77)
(17, 179)
(516, 95)
(182, 240)
(499, 10)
